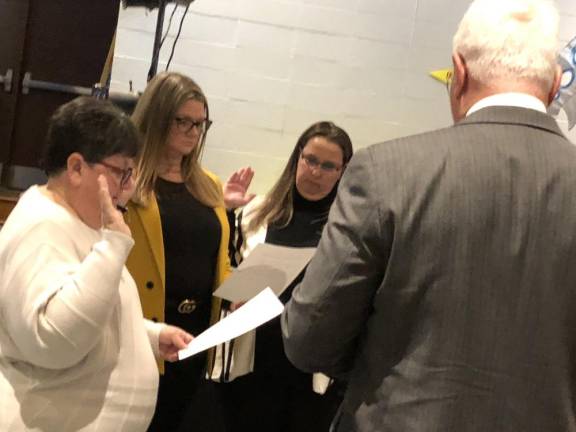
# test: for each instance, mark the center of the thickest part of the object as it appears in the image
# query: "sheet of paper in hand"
(267, 266)
(254, 313)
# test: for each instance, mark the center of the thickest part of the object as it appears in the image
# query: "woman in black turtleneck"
(275, 396)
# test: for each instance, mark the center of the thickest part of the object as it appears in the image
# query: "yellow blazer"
(146, 261)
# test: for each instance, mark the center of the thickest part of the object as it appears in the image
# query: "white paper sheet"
(260, 309)
(267, 265)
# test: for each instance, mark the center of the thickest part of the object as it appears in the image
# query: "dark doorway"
(57, 41)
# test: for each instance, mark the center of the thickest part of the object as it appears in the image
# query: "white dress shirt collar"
(521, 100)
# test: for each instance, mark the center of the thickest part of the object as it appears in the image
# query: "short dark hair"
(94, 128)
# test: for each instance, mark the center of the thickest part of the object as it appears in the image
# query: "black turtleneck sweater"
(304, 230)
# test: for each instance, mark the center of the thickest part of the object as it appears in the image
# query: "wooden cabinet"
(13, 18)
(8, 200)
(56, 41)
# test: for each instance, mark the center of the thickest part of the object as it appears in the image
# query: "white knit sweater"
(75, 351)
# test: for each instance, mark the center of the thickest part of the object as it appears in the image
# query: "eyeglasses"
(312, 162)
(185, 125)
(449, 76)
(124, 174)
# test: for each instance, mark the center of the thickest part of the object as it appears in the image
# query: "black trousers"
(186, 401)
(267, 403)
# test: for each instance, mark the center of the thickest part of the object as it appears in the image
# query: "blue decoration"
(565, 99)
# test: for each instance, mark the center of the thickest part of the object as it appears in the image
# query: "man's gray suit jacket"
(444, 285)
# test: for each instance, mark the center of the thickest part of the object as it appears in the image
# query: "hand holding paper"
(257, 311)
(171, 340)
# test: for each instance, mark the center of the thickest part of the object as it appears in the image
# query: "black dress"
(191, 233)
(277, 397)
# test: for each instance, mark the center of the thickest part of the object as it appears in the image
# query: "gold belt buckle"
(187, 306)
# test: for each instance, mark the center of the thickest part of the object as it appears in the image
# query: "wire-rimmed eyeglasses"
(123, 174)
(449, 76)
(313, 162)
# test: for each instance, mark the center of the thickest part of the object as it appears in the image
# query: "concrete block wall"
(270, 68)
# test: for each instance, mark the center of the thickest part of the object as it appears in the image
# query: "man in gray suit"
(444, 286)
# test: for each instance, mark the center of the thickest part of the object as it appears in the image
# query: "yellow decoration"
(441, 75)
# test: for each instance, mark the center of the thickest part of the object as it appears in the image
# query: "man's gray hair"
(509, 39)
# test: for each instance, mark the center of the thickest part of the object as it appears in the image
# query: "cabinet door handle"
(28, 83)
(7, 80)
(101, 93)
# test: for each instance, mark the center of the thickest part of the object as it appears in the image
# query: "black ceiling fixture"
(150, 4)
(158, 39)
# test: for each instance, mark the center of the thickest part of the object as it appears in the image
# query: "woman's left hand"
(172, 339)
(236, 188)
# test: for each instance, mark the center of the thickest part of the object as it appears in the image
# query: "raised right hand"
(112, 219)
(236, 188)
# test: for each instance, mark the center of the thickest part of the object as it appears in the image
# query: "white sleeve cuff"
(153, 329)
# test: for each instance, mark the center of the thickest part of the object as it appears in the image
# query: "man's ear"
(460, 77)
(75, 167)
(555, 85)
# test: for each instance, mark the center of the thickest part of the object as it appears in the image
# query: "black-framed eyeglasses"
(124, 174)
(313, 162)
(185, 125)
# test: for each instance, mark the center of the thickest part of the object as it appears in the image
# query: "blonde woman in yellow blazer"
(146, 262)
(178, 220)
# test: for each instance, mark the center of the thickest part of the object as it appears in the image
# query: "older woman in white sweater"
(75, 352)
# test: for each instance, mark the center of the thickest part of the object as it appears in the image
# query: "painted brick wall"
(270, 68)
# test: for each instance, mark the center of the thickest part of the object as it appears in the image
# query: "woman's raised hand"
(236, 188)
(112, 219)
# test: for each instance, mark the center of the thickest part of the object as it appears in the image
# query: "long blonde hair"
(153, 116)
